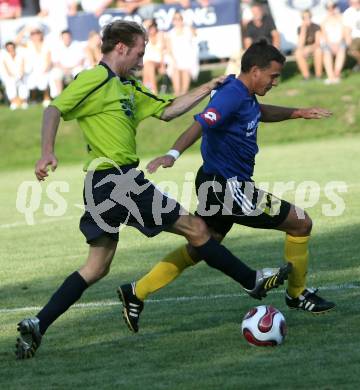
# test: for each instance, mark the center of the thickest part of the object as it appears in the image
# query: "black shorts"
(113, 198)
(225, 202)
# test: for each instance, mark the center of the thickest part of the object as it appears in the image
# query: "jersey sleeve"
(223, 104)
(78, 90)
(148, 104)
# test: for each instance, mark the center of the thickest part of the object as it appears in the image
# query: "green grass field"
(190, 332)
(20, 130)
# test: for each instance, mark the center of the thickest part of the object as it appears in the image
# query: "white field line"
(40, 222)
(107, 303)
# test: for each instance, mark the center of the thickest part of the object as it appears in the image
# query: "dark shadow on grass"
(334, 251)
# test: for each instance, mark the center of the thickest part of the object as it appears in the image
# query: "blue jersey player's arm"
(185, 140)
(222, 106)
(271, 113)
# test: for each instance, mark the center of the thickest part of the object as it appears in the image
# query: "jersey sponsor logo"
(127, 107)
(211, 116)
(252, 126)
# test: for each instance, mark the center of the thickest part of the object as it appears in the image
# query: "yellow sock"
(297, 253)
(164, 272)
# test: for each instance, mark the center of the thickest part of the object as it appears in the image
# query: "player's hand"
(163, 161)
(314, 113)
(42, 166)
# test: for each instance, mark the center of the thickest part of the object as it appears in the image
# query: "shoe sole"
(280, 279)
(313, 312)
(124, 312)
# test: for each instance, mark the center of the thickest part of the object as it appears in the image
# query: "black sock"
(217, 256)
(66, 295)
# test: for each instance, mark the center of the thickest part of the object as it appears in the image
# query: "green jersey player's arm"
(186, 102)
(148, 104)
(71, 97)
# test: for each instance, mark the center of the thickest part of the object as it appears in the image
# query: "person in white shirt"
(333, 44)
(12, 71)
(37, 60)
(351, 18)
(68, 58)
(183, 61)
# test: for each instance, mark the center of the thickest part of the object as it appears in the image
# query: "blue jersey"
(229, 123)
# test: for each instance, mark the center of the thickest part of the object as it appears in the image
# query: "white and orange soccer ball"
(264, 326)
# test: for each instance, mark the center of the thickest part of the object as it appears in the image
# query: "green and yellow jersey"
(108, 109)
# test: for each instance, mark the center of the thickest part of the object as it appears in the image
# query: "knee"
(304, 226)
(93, 274)
(198, 232)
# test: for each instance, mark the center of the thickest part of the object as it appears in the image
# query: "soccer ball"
(264, 326)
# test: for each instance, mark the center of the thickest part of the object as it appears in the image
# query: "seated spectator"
(333, 43)
(10, 9)
(351, 18)
(183, 62)
(12, 72)
(261, 26)
(96, 7)
(153, 57)
(145, 8)
(68, 59)
(93, 50)
(308, 45)
(37, 61)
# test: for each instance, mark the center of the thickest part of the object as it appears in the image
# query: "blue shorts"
(114, 198)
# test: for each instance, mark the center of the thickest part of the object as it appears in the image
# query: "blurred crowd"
(32, 65)
(324, 45)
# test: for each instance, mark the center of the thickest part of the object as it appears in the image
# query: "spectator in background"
(308, 45)
(93, 50)
(183, 55)
(351, 18)
(154, 57)
(56, 13)
(261, 26)
(333, 43)
(96, 7)
(29, 7)
(245, 13)
(183, 3)
(145, 8)
(68, 59)
(10, 9)
(37, 60)
(12, 71)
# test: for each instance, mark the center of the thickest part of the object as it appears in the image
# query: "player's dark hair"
(260, 54)
(123, 31)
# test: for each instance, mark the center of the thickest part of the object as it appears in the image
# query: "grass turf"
(193, 342)
(20, 142)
